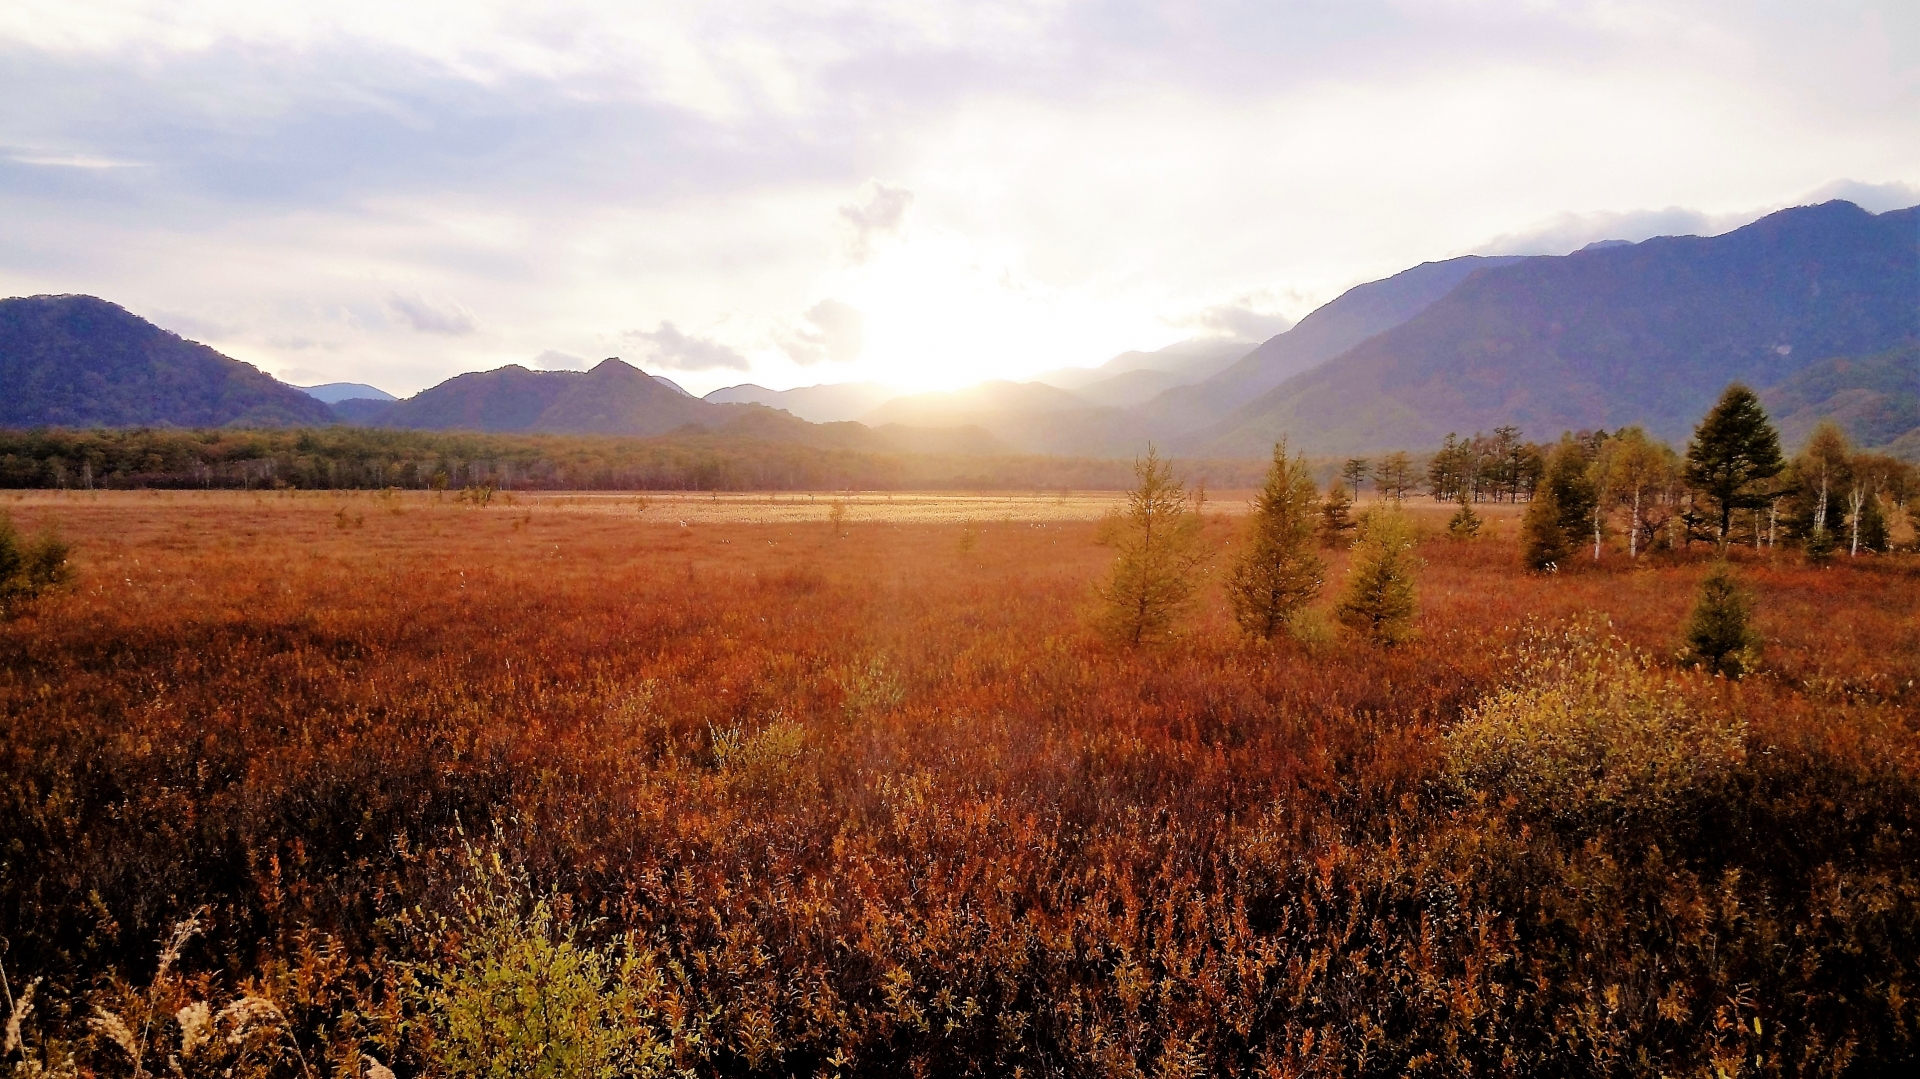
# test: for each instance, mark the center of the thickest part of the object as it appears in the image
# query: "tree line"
(359, 458)
(1733, 485)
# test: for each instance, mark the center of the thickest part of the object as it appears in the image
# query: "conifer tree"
(1335, 516)
(1543, 538)
(1734, 452)
(1570, 483)
(1278, 571)
(1379, 600)
(1158, 568)
(1464, 524)
(1718, 634)
(1355, 472)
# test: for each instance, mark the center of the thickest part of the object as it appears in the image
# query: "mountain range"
(1817, 307)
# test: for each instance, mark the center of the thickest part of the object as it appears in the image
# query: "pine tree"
(1464, 524)
(1335, 517)
(1379, 600)
(1278, 571)
(1718, 635)
(1570, 483)
(1734, 452)
(1543, 538)
(1157, 571)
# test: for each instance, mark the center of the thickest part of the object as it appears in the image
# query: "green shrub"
(1589, 732)
(28, 569)
(520, 996)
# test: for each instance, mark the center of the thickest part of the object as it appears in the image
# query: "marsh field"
(316, 783)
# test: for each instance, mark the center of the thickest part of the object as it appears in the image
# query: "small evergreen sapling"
(1335, 517)
(1379, 601)
(1278, 571)
(1154, 578)
(1464, 524)
(1719, 636)
(1543, 541)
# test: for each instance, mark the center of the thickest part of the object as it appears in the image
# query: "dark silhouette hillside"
(78, 361)
(614, 398)
(1647, 333)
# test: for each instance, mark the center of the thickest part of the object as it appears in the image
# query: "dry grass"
(883, 805)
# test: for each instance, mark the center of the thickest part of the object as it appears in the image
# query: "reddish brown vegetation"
(892, 809)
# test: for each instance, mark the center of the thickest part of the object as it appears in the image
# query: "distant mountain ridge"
(335, 392)
(1647, 333)
(80, 361)
(1350, 318)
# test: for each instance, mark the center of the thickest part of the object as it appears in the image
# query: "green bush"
(28, 569)
(520, 996)
(1589, 732)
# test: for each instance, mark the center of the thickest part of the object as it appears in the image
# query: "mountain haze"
(821, 404)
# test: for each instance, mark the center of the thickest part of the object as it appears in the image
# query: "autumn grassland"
(873, 799)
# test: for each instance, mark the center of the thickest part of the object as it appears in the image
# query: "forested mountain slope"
(1646, 333)
(80, 361)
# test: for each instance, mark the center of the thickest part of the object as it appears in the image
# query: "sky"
(922, 193)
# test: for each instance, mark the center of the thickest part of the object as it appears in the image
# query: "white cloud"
(449, 320)
(555, 360)
(1250, 316)
(833, 332)
(877, 214)
(671, 347)
(998, 187)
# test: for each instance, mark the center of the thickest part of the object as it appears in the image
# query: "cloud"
(1246, 317)
(1873, 198)
(686, 352)
(877, 214)
(1569, 232)
(835, 332)
(449, 321)
(555, 360)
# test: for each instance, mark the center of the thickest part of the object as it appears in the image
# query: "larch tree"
(1543, 539)
(1734, 453)
(1634, 469)
(1277, 571)
(1355, 472)
(1336, 518)
(1379, 600)
(1394, 475)
(1158, 568)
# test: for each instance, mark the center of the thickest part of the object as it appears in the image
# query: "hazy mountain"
(613, 398)
(1648, 333)
(362, 411)
(79, 361)
(1130, 387)
(670, 384)
(1017, 413)
(1875, 399)
(1191, 360)
(822, 404)
(331, 392)
(1326, 332)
